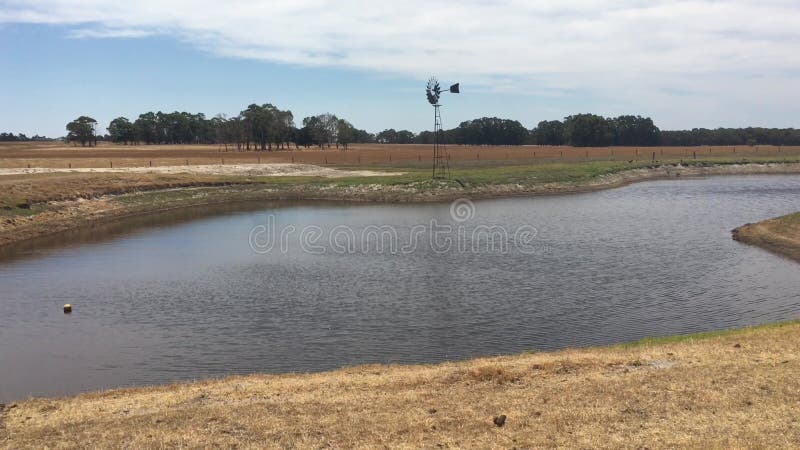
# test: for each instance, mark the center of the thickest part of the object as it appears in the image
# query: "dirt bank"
(128, 197)
(780, 235)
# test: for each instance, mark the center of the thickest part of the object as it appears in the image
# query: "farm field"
(60, 155)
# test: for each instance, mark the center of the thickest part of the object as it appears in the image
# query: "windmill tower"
(441, 165)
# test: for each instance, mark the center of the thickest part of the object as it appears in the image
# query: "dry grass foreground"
(780, 235)
(729, 390)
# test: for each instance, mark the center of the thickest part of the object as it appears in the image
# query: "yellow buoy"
(67, 308)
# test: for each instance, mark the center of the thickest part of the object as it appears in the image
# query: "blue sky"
(686, 64)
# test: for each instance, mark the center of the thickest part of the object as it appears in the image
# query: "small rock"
(432, 411)
(500, 420)
(737, 346)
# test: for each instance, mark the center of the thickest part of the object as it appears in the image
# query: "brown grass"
(733, 390)
(18, 155)
(780, 235)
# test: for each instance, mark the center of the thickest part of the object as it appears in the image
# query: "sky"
(686, 64)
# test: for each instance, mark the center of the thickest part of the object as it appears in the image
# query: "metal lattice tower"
(441, 164)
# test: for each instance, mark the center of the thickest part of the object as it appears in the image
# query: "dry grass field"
(725, 390)
(60, 155)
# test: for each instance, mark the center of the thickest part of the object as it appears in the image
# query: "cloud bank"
(747, 52)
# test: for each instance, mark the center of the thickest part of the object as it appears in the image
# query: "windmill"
(441, 167)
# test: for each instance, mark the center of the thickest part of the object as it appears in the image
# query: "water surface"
(186, 297)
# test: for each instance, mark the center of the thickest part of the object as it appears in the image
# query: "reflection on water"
(182, 296)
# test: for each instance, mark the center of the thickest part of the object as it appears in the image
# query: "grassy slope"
(780, 235)
(735, 389)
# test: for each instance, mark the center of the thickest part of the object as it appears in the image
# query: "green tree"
(635, 130)
(121, 130)
(82, 130)
(588, 130)
(345, 133)
(550, 132)
(146, 128)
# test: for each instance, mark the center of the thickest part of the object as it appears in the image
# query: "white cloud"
(638, 50)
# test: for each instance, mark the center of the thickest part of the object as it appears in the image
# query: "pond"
(296, 287)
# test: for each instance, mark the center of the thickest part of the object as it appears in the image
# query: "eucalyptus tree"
(345, 134)
(82, 130)
(121, 130)
(146, 128)
(322, 129)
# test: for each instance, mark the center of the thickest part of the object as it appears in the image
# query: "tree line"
(259, 127)
(11, 137)
(590, 130)
(266, 127)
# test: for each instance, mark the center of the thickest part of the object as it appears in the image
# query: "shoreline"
(122, 203)
(779, 235)
(677, 391)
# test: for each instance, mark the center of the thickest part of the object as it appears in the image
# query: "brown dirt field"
(780, 235)
(19, 155)
(736, 390)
